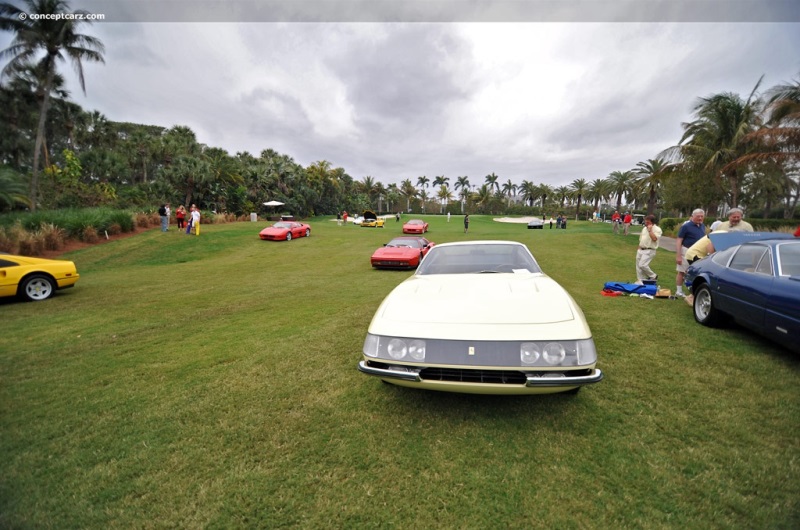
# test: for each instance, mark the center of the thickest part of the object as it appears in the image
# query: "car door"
(9, 277)
(782, 317)
(743, 288)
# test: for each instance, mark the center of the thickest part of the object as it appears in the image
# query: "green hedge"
(74, 220)
(672, 224)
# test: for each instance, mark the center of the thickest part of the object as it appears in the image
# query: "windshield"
(401, 242)
(414, 222)
(476, 259)
(282, 225)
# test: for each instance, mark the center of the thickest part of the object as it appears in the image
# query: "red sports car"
(401, 253)
(285, 230)
(415, 226)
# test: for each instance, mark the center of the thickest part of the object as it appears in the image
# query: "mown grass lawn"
(211, 382)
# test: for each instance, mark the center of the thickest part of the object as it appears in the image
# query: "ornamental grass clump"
(31, 244)
(52, 236)
(6, 244)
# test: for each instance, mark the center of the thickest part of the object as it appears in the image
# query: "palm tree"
(544, 191)
(509, 189)
(651, 177)
(775, 146)
(718, 137)
(597, 191)
(530, 192)
(444, 196)
(483, 196)
(462, 183)
(578, 189)
(491, 181)
(57, 36)
(408, 190)
(620, 184)
(367, 186)
(441, 181)
(12, 189)
(562, 192)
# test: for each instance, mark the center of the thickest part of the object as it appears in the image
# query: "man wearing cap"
(735, 223)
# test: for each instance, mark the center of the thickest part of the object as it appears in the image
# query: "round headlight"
(416, 350)
(397, 349)
(554, 353)
(529, 353)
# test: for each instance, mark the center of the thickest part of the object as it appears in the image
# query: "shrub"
(113, 229)
(31, 244)
(52, 236)
(89, 235)
(6, 245)
(143, 220)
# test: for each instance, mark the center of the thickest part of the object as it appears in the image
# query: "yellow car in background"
(35, 279)
(372, 220)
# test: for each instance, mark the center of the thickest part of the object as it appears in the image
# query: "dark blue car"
(757, 284)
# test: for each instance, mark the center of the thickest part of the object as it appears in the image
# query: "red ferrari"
(401, 253)
(415, 226)
(285, 230)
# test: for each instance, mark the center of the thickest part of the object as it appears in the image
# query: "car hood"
(387, 252)
(481, 307)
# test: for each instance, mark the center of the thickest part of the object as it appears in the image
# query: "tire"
(703, 308)
(308, 232)
(288, 236)
(37, 288)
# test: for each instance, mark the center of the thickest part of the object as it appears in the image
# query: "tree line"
(54, 154)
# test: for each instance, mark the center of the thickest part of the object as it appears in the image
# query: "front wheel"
(308, 232)
(37, 288)
(288, 236)
(704, 311)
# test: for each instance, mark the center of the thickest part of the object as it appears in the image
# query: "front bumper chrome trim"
(532, 381)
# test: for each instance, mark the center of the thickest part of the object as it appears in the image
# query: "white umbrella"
(273, 203)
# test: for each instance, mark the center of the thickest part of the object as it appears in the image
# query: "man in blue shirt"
(689, 233)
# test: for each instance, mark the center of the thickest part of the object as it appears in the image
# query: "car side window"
(765, 265)
(5, 263)
(789, 259)
(747, 258)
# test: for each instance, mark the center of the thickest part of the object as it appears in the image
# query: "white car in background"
(481, 317)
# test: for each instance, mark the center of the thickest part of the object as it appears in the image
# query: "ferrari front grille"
(506, 377)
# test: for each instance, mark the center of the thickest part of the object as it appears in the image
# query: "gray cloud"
(543, 102)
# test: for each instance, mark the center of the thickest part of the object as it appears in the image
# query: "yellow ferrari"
(372, 220)
(35, 279)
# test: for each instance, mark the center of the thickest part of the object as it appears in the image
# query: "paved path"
(667, 243)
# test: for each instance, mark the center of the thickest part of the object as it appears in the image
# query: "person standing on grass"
(689, 233)
(466, 223)
(626, 221)
(196, 220)
(169, 214)
(180, 216)
(162, 212)
(616, 220)
(648, 243)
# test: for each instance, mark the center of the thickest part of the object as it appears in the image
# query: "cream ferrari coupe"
(481, 317)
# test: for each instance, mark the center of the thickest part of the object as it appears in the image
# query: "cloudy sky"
(544, 95)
